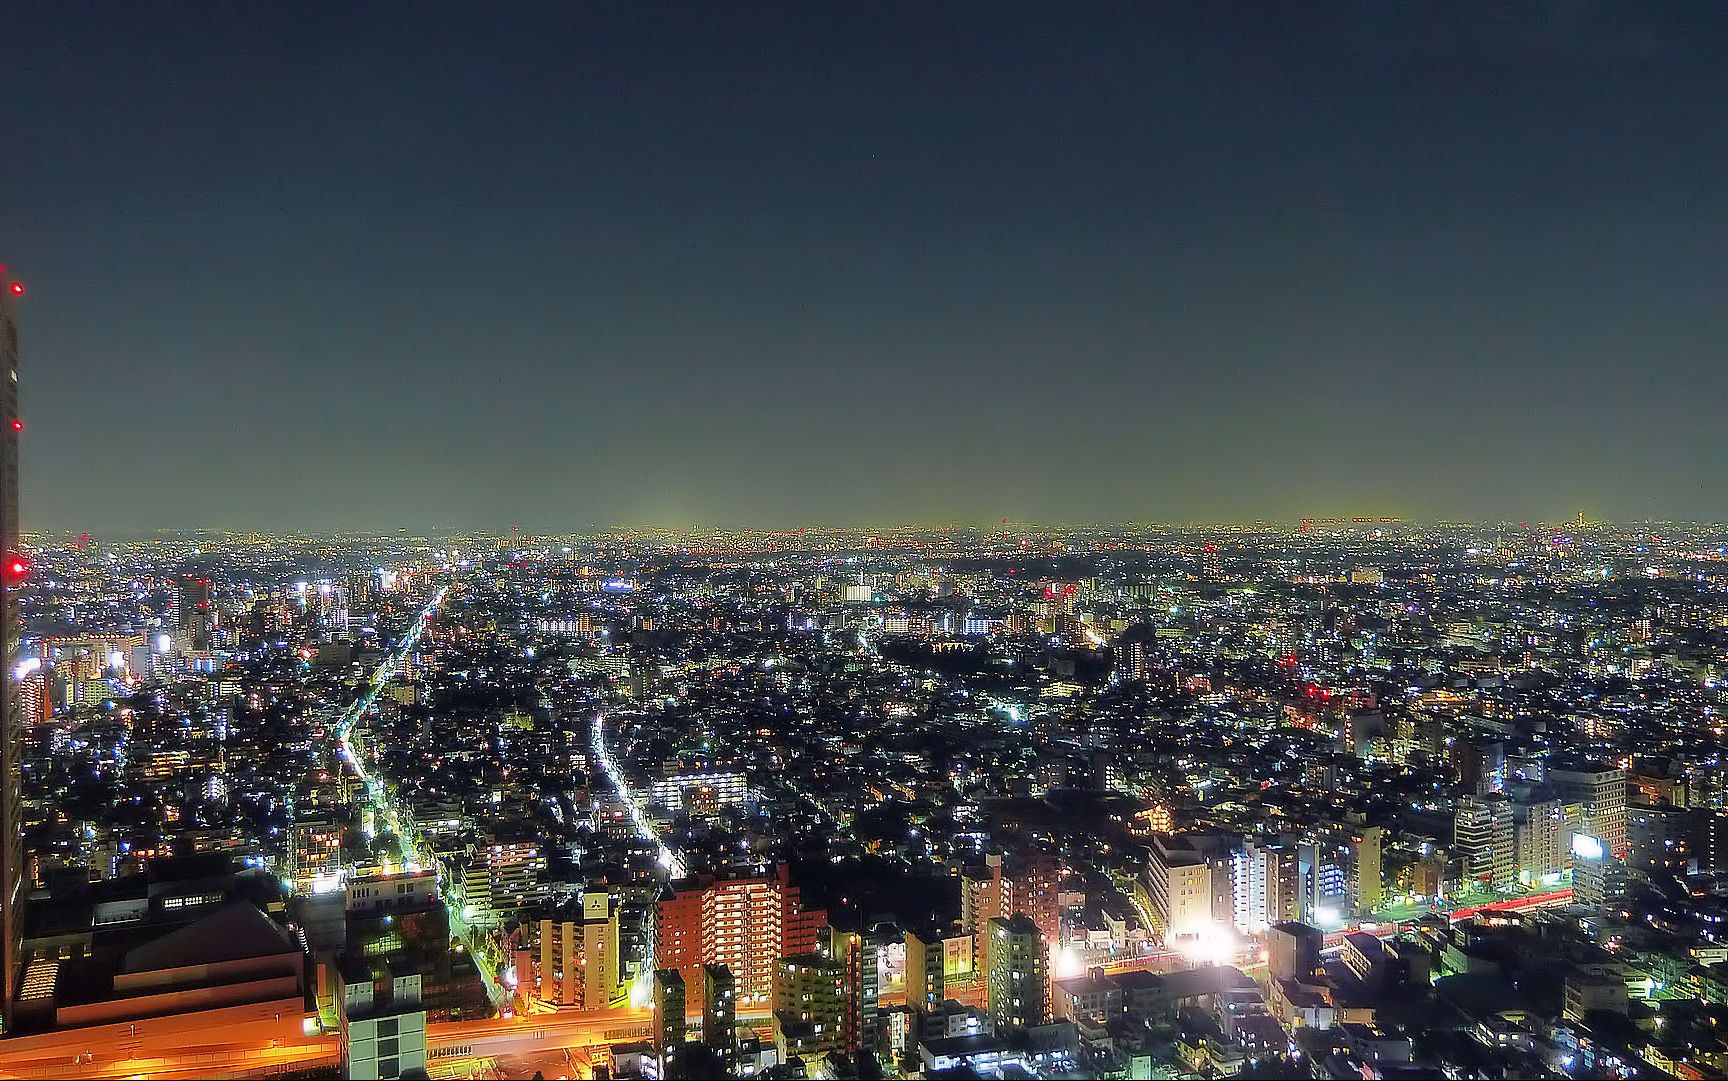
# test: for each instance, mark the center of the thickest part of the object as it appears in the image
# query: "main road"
(411, 847)
(671, 862)
(270, 1038)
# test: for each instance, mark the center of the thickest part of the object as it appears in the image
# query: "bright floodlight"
(1587, 847)
(1208, 943)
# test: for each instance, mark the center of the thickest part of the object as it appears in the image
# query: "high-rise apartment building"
(1480, 764)
(1017, 985)
(315, 854)
(1544, 838)
(578, 955)
(1135, 655)
(1324, 860)
(503, 874)
(1189, 882)
(1367, 877)
(1266, 881)
(1660, 839)
(861, 954)
(1032, 888)
(1601, 791)
(745, 924)
(670, 1024)
(981, 897)
(1028, 886)
(1484, 836)
(1591, 864)
(925, 972)
(1293, 951)
(809, 1005)
(720, 1015)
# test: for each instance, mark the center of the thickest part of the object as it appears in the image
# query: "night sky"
(320, 266)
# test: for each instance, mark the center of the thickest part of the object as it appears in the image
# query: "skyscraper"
(191, 612)
(11, 712)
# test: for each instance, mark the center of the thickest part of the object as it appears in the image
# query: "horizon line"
(1009, 525)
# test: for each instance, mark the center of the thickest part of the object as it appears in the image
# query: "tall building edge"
(11, 624)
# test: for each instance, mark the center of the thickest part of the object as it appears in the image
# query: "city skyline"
(775, 266)
(947, 795)
(899, 541)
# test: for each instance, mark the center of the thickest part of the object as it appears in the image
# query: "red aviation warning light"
(17, 289)
(17, 425)
(16, 568)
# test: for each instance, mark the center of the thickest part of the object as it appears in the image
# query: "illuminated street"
(414, 853)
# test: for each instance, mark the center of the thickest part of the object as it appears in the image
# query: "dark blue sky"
(325, 265)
